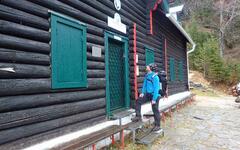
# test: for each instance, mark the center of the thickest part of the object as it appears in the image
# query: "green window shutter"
(68, 52)
(180, 71)
(172, 69)
(149, 56)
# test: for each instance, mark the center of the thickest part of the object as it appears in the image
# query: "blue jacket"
(151, 85)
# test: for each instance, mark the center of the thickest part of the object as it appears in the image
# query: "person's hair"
(153, 67)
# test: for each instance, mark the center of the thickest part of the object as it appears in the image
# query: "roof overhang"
(180, 28)
(176, 9)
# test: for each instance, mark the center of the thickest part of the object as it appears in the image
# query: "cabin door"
(116, 74)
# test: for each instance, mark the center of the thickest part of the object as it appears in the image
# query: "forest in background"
(214, 25)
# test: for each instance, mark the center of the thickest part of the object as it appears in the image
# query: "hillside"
(208, 14)
(233, 54)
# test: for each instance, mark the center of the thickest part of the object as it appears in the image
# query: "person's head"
(151, 67)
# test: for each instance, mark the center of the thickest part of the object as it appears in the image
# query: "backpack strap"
(154, 75)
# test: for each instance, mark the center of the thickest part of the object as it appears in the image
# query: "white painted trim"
(180, 28)
(176, 9)
(146, 108)
(117, 24)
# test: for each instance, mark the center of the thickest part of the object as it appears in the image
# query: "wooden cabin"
(66, 65)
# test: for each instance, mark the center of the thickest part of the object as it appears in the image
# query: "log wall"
(30, 111)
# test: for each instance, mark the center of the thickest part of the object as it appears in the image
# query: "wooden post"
(166, 62)
(113, 140)
(135, 60)
(93, 147)
(122, 139)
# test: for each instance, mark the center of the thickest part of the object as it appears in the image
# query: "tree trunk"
(222, 46)
(221, 40)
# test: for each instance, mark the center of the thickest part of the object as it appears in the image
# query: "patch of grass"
(201, 92)
(128, 145)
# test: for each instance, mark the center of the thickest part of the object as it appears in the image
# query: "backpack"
(163, 80)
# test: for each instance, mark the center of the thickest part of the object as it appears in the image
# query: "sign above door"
(115, 22)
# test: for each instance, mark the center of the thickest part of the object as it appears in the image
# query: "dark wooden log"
(38, 138)
(139, 5)
(30, 101)
(95, 65)
(90, 45)
(140, 79)
(96, 73)
(99, 6)
(19, 30)
(86, 8)
(67, 10)
(17, 16)
(33, 129)
(40, 114)
(21, 86)
(95, 39)
(95, 30)
(140, 62)
(28, 7)
(30, 86)
(93, 58)
(24, 71)
(141, 69)
(134, 16)
(23, 44)
(8, 55)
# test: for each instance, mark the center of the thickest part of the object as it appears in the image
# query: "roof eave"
(180, 28)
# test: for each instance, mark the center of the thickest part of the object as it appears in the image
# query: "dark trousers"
(148, 98)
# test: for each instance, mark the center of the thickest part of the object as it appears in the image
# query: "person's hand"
(141, 95)
(153, 102)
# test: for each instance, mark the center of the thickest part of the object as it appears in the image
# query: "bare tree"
(224, 12)
(228, 11)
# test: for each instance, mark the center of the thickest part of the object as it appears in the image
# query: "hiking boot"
(136, 119)
(238, 99)
(157, 129)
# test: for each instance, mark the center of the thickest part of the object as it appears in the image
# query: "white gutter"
(180, 28)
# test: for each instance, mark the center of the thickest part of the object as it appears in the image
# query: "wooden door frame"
(110, 35)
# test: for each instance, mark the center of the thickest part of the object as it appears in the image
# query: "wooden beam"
(31, 86)
(33, 129)
(40, 114)
(16, 56)
(19, 30)
(11, 42)
(24, 71)
(14, 103)
(17, 16)
(27, 7)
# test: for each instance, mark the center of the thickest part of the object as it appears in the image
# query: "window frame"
(172, 69)
(180, 70)
(56, 18)
(148, 49)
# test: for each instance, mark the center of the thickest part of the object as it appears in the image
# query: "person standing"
(150, 93)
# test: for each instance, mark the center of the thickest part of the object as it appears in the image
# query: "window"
(172, 69)
(68, 52)
(180, 71)
(149, 56)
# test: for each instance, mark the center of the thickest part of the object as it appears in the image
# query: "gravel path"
(210, 123)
